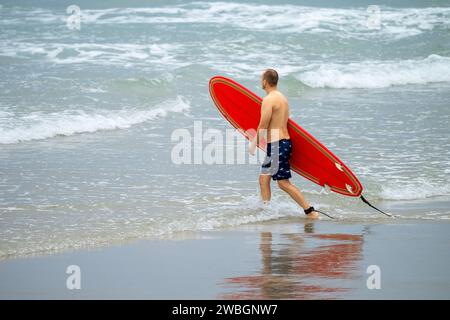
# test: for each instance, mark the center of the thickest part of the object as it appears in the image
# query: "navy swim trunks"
(276, 162)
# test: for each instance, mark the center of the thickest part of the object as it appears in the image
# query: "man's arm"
(264, 121)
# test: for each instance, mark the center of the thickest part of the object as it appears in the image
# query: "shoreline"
(404, 211)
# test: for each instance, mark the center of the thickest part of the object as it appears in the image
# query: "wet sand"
(291, 259)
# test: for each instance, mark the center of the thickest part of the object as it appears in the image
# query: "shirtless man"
(274, 119)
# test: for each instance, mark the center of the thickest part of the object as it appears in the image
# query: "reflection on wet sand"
(300, 266)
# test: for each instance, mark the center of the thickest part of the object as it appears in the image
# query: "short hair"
(271, 76)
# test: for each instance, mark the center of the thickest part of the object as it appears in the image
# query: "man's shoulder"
(281, 95)
(274, 96)
(268, 101)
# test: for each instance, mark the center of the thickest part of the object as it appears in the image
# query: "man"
(273, 122)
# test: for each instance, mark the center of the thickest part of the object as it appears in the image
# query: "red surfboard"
(310, 158)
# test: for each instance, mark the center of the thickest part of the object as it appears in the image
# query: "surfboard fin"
(368, 203)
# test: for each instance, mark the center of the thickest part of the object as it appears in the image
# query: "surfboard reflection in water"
(296, 269)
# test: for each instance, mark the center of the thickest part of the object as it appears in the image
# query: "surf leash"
(311, 209)
(368, 203)
(325, 214)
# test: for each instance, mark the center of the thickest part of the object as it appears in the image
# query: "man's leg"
(264, 184)
(296, 194)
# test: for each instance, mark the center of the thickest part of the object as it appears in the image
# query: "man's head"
(269, 79)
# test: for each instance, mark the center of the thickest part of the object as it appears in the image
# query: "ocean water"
(87, 116)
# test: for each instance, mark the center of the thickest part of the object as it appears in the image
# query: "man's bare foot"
(313, 215)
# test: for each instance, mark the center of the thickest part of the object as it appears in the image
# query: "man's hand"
(252, 147)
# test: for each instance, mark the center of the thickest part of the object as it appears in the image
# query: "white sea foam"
(377, 74)
(394, 22)
(123, 54)
(348, 22)
(414, 190)
(39, 125)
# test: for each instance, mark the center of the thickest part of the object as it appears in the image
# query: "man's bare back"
(277, 129)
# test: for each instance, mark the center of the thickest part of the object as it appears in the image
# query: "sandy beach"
(284, 259)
